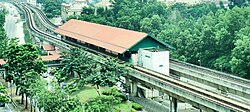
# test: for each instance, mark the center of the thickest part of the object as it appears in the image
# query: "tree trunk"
(97, 90)
(22, 99)
(26, 106)
(16, 90)
(31, 104)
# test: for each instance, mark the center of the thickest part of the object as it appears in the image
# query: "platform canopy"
(111, 38)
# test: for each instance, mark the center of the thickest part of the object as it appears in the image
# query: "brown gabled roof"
(48, 47)
(51, 58)
(2, 62)
(111, 38)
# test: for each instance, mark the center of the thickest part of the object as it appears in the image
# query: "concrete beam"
(179, 93)
(211, 81)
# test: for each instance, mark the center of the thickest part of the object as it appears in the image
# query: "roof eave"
(135, 43)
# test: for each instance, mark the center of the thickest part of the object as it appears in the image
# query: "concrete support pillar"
(128, 86)
(41, 43)
(2, 73)
(134, 91)
(173, 104)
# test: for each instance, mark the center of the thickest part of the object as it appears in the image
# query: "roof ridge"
(92, 38)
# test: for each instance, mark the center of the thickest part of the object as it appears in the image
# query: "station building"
(117, 42)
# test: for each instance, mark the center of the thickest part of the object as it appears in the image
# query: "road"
(7, 108)
(13, 26)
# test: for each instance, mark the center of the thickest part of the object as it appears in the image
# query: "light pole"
(11, 89)
(220, 67)
(127, 95)
(199, 61)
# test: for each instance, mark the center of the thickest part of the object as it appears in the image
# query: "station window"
(160, 65)
(147, 56)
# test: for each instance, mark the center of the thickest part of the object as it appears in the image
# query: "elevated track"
(200, 97)
(221, 81)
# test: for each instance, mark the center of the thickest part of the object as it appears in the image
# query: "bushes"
(71, 88)
(136, 106)
(114, 92)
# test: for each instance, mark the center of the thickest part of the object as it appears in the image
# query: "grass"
(27, 37)
(87, 92)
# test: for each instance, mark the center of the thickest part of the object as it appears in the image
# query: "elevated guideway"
(213, 78)
(201, 98)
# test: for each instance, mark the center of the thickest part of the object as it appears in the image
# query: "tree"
(105, 74)
(56, 99)
(241, 54)
(100, 104)
(202, 32)
(3, 36)
(76, 62)
(22, 59)
(52, 7)
(35, 89)
(4, 98)
(72, 105)
(28, 79)
(238, 3)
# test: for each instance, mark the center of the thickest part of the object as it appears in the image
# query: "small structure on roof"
(2, 62)
(48, 47)
(120, 42)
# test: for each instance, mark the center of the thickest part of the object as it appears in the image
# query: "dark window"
(147, 56)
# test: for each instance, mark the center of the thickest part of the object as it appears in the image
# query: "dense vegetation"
(3, 45)
(3, 36)
(213, 36)
(52, 8)
(105, 72)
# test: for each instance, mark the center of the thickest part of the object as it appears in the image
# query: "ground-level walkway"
(150, 105)
(161, 105)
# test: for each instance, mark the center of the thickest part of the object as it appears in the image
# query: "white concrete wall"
(157, 61)
(33, 2)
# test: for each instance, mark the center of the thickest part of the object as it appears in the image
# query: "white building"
(192, 2)
(33, 2)
(154, 59)
(74, 8)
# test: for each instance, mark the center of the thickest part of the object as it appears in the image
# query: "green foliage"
(202, 32)
(3, 94)
(27, 37)
(106, 74)
(54, 100)
(241, 54)
(136, 106)
(114, 92)
(238, 3)
(72, 105)
(51, 7)
(23, 66)
(101, 104)
(76, 62)
(3, 36)
(71, 87)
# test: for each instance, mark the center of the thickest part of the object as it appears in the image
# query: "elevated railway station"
(118, 42)
(179, 91)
